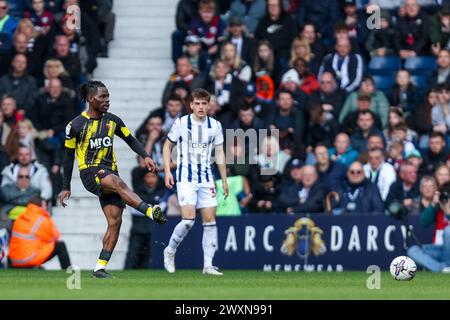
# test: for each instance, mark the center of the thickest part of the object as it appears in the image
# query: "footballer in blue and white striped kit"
(195, 135)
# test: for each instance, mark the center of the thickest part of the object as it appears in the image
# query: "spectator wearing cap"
(440, 28)
(404, 93)
(306, 195)
(262, 110)
(329, 95)
(279, 29)
(186, 11)
(436, 153)
(8, 24)
(245, 45)
(342, 151)
(347, 67)
(411, 31)
(184, 72)
(238, 67)
(415, 158)
(292, 82)
(380, 42)
(292, 174)
(442, 74)
(209, 27)
(359, 196)
(331, 174)
(289, 119)
(380, 172)
(200, 60)
(20, 84)
(321, 129)
(323, 14)
(356, 23)
(250, 12)
(378, 101)
(349, 124)
(365, 127)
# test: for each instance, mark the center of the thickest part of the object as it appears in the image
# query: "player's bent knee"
(115, 223)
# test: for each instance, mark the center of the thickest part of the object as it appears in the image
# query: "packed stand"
(362, 112)
(45, 53)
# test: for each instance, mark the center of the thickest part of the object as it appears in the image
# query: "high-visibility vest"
(33, 238)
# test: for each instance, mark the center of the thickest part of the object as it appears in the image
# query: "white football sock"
(209, 243)
(180, 231)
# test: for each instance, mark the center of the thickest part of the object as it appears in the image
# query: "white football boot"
(169, 260)
(214, 271)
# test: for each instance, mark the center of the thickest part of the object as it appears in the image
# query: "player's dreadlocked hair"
(89, 88)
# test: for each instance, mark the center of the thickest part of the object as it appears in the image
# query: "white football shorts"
(200, 195)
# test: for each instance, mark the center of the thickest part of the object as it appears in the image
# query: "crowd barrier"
(280, 242)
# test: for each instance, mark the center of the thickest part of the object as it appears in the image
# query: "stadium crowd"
(362, 105)
(45, 53)
(362, 110)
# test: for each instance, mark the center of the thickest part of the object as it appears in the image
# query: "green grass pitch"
(191, 284)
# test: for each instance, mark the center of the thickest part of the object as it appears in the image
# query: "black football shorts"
(91, 178)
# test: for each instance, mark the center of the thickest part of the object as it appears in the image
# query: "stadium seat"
(384, 65)
(421, 82)
(384, 82)
(421, 65)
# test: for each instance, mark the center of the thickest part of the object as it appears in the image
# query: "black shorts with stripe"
(91, 178)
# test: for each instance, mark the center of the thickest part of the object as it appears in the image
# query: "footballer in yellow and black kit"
(92, 140)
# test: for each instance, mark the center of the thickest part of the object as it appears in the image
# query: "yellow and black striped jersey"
(93, 140)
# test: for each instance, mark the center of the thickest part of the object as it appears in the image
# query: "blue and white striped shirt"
(195, 141)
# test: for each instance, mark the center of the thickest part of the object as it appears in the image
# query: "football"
(403, 268)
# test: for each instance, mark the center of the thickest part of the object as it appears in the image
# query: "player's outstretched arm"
(124, 133)
(221, 164)
(68, 169)
(167, 151)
